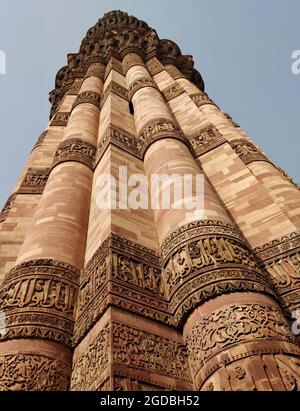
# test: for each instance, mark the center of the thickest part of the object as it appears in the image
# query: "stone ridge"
(117, 34)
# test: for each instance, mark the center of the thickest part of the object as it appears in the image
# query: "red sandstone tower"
(146, 299)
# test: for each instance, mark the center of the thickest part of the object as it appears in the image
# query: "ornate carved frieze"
(201, 98)
(154, 67)
(139, 84)
(157, 129)
(174, 72)
(38, 298)
(96, 69)
(228, 116)
(34, 181)
(40, 140)
(203, 260)
(133, 273)
(113, 64)
(247, 151)
(120, 138)
(172, 91)
(262, 327)
(281, 260)
(206, 139)
(33, 372)
(60, 119)
(75, 149)
(115, 88)
(7, 207)
(88, 97)
(149, 352)
(90, 369)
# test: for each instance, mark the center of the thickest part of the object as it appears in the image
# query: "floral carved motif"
(75, 149)
(34, 181)
(32, 372)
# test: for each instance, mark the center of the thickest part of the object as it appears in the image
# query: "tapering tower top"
(117, 34)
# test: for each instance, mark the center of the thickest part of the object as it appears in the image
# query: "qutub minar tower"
(124, 299)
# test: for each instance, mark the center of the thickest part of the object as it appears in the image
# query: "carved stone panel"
(205, 140)
(140, 83)
(115, 88)
(201, 98)
(247, 151)
(88, 97)
(38, 298)
(34, 181)
(60, 119)
(172, 91)
(75, 149)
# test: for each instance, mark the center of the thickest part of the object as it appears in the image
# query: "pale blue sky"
(241, 47)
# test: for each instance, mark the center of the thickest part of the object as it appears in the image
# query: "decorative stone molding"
(40, 140)
(88, 370)
(115, 88)
(205, 140)
(228, 116)
(139, 84)
(120, 138)
(96, 70)
(151, 355)
(38, 298)
(247, 151)
(280, 259)
(88, 97)
(75, 149)
(172, 92)
(201, 98)
(28, 371)
(7, 207)
(155, 130)
(216, 336)
(113, 64)
(154, 67)
(60, 119)
(34, 181)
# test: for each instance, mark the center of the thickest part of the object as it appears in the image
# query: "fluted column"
(39, 295)
(206, 257)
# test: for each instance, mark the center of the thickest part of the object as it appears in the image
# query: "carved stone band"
(157, 129)
(88, 97)
(234, 332)
(115, 88)
(247, 151)
(60, 119)
(75, 149)
(205, 140)
(8, 205)
(150, 355)
(201, 98)
(281, 261)
(34, 181)
(38, 298)
(140, 83)
(172, 92)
